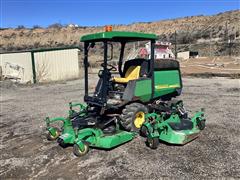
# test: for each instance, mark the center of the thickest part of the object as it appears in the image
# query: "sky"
(105, 12)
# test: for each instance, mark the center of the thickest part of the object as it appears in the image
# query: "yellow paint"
(139, 119)
(131, 74)
(174, 85)
(165, 86)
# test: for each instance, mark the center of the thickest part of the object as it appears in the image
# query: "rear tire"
(133, 116)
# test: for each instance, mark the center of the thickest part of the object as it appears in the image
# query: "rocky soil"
(26, 154)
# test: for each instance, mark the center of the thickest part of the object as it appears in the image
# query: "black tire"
(129, 114)
(51, 137)
(153, 142)
(62, 143)
(164, 64)
(143, 131)
(78, 152)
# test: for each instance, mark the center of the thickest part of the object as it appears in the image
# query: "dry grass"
(212, 66)
(15, 39)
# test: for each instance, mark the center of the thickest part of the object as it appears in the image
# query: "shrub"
(56, 26)
(36, 27)
(21, 27)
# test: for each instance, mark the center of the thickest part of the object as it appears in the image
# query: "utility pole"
(210, 43)
(226, 37)
(229, 41)
(175, 44)
(230, 46)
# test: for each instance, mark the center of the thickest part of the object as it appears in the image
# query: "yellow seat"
(131, 74)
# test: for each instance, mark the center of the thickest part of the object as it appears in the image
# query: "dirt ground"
(220, 65)
(26, 154)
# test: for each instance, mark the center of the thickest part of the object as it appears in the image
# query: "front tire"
(51, 137)
(153, 142)
(144, 131)
(133, 116)
(78, 152)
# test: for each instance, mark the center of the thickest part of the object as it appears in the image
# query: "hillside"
(194, 29)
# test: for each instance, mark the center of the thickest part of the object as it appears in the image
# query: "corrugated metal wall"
(56, 65)
(50, 65)
(10, 61)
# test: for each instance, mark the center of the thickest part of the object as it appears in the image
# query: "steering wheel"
(110, 67)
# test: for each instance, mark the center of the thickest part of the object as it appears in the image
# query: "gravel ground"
(26, 154)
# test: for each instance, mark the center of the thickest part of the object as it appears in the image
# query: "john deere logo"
(165, 86)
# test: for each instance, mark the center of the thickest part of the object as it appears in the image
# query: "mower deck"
(96, 138)
(173, 128)
(121, 106)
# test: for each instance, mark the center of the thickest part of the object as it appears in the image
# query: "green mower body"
(167, 83)
(128, 102)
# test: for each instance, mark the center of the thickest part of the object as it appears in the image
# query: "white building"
(162, 50)
(183, 55)
(73, 25)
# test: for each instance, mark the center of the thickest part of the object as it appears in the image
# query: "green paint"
(166, 82)
(80, 145)
(55, 49)
(68, 133)
(164, 132)
(82, 109)
(44, 49)
(96, 138)
(117, 36)
(52, 130)
(114, 140)
(143, 90)
(33, 68)
(93, 136)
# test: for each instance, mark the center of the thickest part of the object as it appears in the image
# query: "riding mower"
(121, 107)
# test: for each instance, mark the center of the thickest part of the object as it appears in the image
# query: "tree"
(36, 27)
(21, 27)
(56, 25)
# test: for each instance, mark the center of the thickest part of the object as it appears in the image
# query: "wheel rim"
(150, 142)
(56, 135)
(139, 119)
(84, 151)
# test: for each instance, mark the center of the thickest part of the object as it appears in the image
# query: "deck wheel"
(153, 142)
(78, 152)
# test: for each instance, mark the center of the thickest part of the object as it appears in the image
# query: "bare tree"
(42, 71)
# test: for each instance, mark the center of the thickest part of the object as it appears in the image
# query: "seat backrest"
(166, 64)
(133, 72)
(129, 65)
